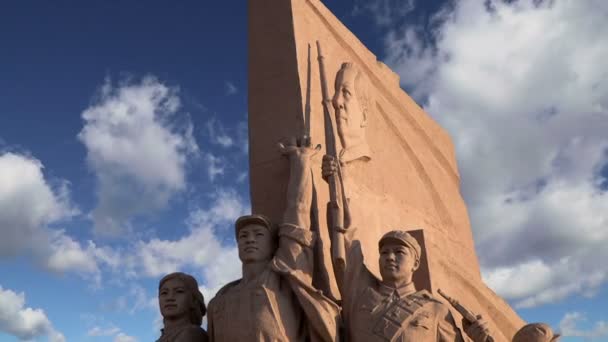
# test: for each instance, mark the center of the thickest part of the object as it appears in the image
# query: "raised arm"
(295, 254)
(299, 189)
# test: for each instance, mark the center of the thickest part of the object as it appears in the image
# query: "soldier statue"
(275, 299)
(391, 309)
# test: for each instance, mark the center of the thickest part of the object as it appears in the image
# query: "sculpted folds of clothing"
(280, 304)
(262, 310)
(188, 333)
(375, 312)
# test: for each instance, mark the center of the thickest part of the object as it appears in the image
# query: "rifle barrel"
(335, 195)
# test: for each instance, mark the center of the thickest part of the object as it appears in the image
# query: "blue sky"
(123, 150)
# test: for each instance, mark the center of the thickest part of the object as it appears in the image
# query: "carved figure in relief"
(535, 332)
(182, 306)
(275, 299)
(391, 309)
(351, 104)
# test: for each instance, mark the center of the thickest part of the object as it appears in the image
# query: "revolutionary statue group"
(275, 300)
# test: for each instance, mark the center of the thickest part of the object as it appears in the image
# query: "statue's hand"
(329, 166)
(479, 330)
(298, 149)
(300, 186)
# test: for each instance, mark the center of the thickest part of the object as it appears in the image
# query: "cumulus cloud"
(122, 337)
(568, 327)
(521, 88)
(138, 149)
(23, 322)
(28, 204)
(98, 331)
(29, 207)
(203, 248)
(119, 336)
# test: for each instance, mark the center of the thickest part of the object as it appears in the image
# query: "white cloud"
(217, 133)
(137, 150)
(119, 336)
(29, 207)
(520, 87)
(215, 166)
(23, 322)
(135, 299)
(231, 89)
(98, 331)
(28, 204)
(68, 254)
(122, 337)
(568, 327)
(202, 248)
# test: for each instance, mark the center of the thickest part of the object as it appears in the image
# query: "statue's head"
(179, 296)
(535, 332)
(256, 238)
(351, 103)
(399, 256)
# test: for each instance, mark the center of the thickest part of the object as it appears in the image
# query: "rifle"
(337, 206)
(466, 313)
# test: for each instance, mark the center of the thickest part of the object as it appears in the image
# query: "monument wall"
(410, 182)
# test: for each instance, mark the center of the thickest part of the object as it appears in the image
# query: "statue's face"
(348, 108)
(397, 262)
(255, 243)
(174, 299)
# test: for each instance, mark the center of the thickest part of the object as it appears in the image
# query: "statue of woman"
(182, 306)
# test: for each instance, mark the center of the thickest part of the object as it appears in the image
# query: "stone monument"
(398, 166)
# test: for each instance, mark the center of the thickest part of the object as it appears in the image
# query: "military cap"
(535, 332)
(402, 237)
(253, 219)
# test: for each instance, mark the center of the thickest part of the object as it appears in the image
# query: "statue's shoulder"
(426, 297)
(217, 304)
(226, 288)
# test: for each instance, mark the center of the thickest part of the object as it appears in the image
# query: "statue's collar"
(358, 151)
(401, 291)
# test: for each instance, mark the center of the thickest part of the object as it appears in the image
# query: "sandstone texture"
(411, 181)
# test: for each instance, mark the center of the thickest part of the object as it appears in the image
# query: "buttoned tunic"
(376, 312)
(280, 304)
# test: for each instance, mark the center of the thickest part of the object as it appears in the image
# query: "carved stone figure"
(275, 299)
(351, 104)
(535, 332)
(182, 306)
(391, 309)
